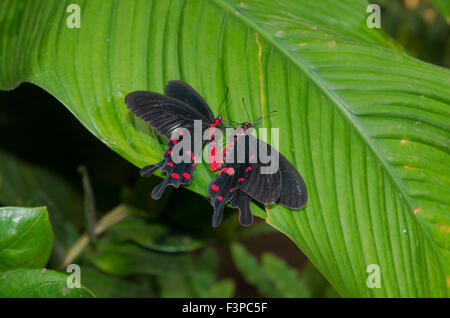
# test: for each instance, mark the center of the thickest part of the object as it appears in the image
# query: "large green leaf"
(365, 124)
(38, 283)
(26, 238)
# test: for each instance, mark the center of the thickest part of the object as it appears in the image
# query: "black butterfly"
(178, 108)
(240, 181)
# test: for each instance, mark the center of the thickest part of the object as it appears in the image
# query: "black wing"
(285, 186)
(164, 113)
(262, 187)
(224, 188)
(176, 173)
(293, 192)
(185, 93)
(240, 182)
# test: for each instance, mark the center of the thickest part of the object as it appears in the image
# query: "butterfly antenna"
(248, 115)
(229, 103)
(262, 117)
(223, 100)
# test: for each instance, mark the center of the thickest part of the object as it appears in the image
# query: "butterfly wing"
(165, 114)
(176, 173)
(262, 187)
(185, 93)
(224, 188)
(293, 193)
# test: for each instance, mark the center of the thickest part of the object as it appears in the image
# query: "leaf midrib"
(303, 66)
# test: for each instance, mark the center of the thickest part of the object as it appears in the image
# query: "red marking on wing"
(174, 141)
(230, 171)
(175, 175)
(169, 152)
(186, 175)
(241, 179)
(232, 189)
(170, 164)
(214, 161)
(248, 169)
(215, 188)
(220, 198)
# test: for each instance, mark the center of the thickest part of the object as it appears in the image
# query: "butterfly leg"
(147, 171)
(242, 201)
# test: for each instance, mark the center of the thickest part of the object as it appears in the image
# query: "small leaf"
(222, 289)
(126, 259)
(202, 282)
(285, 278)
(26, 238)
(106, 286)
(152, 236)
(252, 271)
(38, 283)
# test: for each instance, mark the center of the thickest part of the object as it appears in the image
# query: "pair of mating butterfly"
(238, 181)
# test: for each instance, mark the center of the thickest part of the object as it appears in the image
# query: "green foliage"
(273, 277)
(25, 245)
(125, 259)
(251, 270)
(38, 283)
(201, 283)
(284, 278)
(443, 6)
(105, 286)
(153, 236)
(26, 238)
(28, 185)
(365, 124)
(134, 258)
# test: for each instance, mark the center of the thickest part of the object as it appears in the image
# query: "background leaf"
(203, 282)
(366, 125)
(284, 278)
(26, 238)
(38, 283)
(30, 185)
(152, 236)
(126, 259)
(105, 286)
(443, 6)
(252, 271)
(274, 278)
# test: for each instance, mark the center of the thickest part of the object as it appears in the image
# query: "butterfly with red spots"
(178, 108)
(250, 179)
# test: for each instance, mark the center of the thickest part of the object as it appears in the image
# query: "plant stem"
(116, 215)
